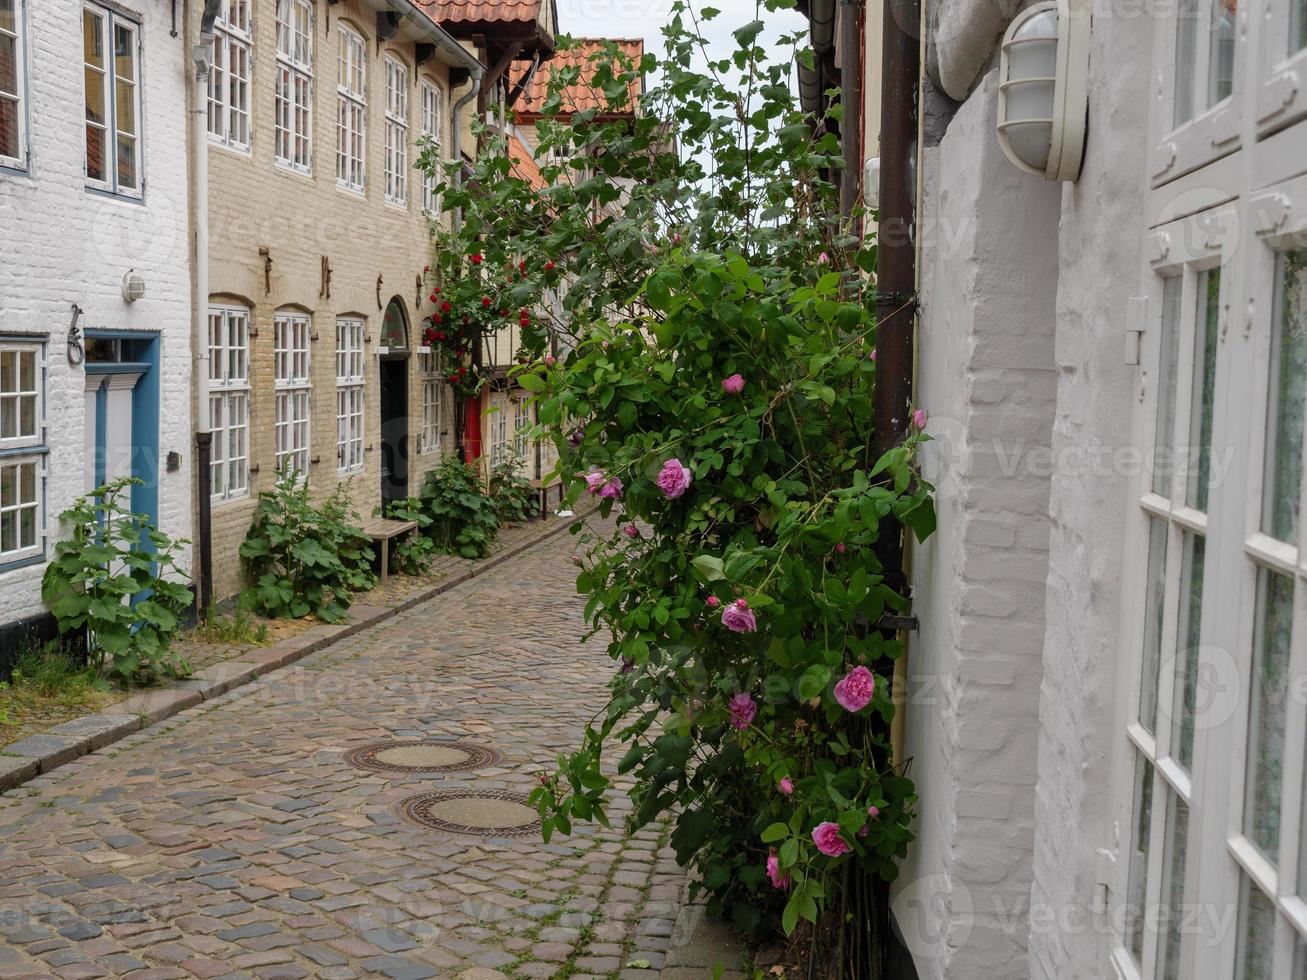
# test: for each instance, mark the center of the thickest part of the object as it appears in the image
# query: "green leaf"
(775, 832)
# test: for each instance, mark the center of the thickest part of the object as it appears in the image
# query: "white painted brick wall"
(62, 245)
(986, 378)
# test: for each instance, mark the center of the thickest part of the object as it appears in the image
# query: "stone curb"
(48, 750)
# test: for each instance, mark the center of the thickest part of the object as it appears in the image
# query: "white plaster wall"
(62, 245)
(1100, 263)
(986, 378)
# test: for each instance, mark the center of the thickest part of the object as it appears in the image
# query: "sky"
(645, 18)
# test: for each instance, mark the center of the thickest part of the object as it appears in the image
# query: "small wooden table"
(384, 530)
(543, 489)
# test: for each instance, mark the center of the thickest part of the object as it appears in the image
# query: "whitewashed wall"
(63, 245)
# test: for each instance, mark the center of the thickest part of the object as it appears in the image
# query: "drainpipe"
(456, 148)
(199, 198)
(850, 62)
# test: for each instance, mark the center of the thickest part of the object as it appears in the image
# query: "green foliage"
(414, 554)
(48, 671)
(305, 559)
(463, 516)
(239, 628)
(687, 261)
(516, 500)
(115, 581)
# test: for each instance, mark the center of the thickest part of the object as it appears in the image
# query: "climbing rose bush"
(709, 384)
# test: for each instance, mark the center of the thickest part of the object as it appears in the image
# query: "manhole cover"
(487, 814)
(421, 756)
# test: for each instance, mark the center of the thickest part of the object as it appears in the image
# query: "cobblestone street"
(236, 839)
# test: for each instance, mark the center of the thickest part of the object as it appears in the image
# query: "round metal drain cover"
(425, 756)
(484, 814)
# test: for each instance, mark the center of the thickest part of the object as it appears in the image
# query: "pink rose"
(713, 602)
(919, 418)
(839, 547)
(551, 360)
(873, 353)
(674, 479)
(786, 785)
(595, 480)
(828, 840)
(855, 689)
(739, 618)
(823, 258)
(864, 830)
(733, 385)
(778, 878)
(611, 490)
(743, 710)
(631, 531)
(873, 811)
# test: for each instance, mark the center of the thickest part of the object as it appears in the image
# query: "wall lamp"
(1043, 89)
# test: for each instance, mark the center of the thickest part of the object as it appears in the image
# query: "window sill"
(233, 499)
(359, 192)
(14, 564)
(293, 171)
(235, 149)
(123, 196)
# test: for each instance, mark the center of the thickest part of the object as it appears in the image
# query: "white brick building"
(92, 186)
(1105, 711)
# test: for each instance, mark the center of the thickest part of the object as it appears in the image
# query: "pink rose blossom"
(873, 353)
(786, 785)
(611, 490)
(739, 618)
(674, 479)
(778, 878)
(823, 259)
(595, 480)
(713, 602)
(733, 385)
(855, 689)
(631, 531)
(873, 811)
(828, 840)
(743, 710)
(919, 418)
(839, 546)
(864, 830)
(551, 360)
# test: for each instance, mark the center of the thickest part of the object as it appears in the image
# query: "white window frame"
(229, 401)
(292, 426)
(110, 21)
(351, 110)
(434, 100)
(433, 403)
(1280, 97)
(522, 420)
(499, 434)
(350, 394)
(230, 71)
(293, 87)
(18, 97)
(25, 449)
(396, 162)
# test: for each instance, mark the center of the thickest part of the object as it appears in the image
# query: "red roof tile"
(580, 95)
(523, 164)
(449, 12)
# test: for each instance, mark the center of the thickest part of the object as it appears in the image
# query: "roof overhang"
(405, 19)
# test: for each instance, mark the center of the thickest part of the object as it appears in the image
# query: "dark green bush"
(516, 501)
(464, 520)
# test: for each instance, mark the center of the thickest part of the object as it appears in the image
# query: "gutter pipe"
(199, 202)
(456, 150)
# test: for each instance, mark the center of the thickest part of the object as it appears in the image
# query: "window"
(351, 110)
(293, 387)
(111, 75)
(433, 394)
(433, 128)
(13, 111)
(499, 434)
(349, 394)
(293, 97)
(396, 132)
(22, 451)
(229, 77)
(521, 423)
(229, 400)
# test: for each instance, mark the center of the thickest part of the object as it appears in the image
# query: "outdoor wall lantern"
(1043, 89)
(133, 286)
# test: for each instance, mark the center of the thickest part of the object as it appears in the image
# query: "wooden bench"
(543, 490)
(384, 530)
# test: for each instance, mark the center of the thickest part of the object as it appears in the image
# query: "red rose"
(485, 301)
(476, 259)
(432, 297)
(435, 290)
(445, 307)
(524, 312)
(462, 371)
(436, 318)
(440, 334)
(521, 267)
(549, 267)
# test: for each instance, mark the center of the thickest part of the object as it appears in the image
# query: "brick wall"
(63, 245)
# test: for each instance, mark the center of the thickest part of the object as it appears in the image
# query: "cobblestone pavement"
(235, 841)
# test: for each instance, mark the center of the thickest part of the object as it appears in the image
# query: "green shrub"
(516, 501)
(239, 628)
(51, 672)
(305, 559)
(414, 554)
(115, 582)
(463, 516)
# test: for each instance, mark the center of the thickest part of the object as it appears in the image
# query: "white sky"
(645, 18)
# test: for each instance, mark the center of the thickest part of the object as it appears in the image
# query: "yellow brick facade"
(274, 230)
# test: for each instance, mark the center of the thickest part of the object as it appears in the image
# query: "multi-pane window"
(111, 86)
(521, 426)
(22, 452)
(229, 76)
(13, 111)
(499, 444)
(349, 394)
(229, 400)
(433, 128)
(293, 95)
(396, 159)
(351, 110)
(433, 394)
(293, 390)
(1204, 56)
